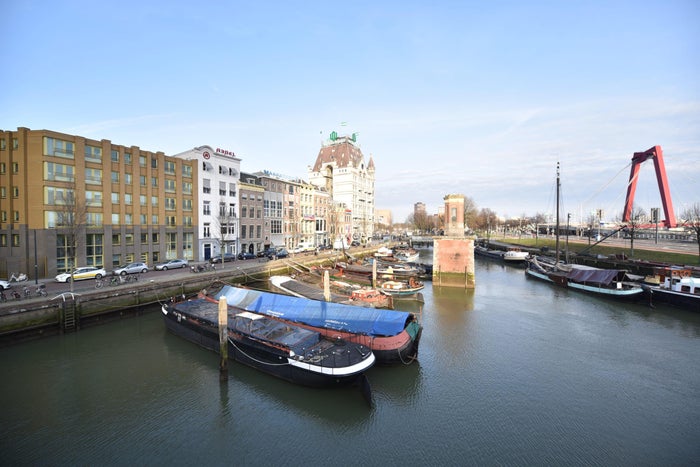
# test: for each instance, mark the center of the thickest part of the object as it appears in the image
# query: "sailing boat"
(605, 282)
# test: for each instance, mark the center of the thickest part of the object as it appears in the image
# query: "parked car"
(89, 272)
(267, 252)
(246, 255)
(5, 284)
(354, 243)
(131, 268)
(172, 264)
(279, 253)
(227, 257)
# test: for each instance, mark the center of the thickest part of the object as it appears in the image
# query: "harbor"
(554, 377)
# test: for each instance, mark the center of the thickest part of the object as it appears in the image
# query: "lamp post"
(36, 262)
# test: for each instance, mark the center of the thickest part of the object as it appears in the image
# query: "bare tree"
(470, 212)
(691, 218)
(224, 230)
(71, 219)
(637, 218)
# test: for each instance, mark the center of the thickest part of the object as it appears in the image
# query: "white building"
(218, 230)
(341, 169)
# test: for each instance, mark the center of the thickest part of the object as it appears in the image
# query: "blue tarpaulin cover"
(350, 318)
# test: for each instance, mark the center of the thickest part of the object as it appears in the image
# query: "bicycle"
(99, 283)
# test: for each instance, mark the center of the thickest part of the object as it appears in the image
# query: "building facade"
(340, 169)
(217, 200)
(68, 201)
(252, 194)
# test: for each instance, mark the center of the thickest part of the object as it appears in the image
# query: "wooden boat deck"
(309, 291)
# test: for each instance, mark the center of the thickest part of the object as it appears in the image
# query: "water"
(513, 373)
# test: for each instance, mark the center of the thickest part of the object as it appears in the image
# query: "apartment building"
(68, 201)
(273, 208)
(252, 194)
(217, 198)
(340, 169)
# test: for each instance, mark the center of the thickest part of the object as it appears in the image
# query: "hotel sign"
(225, 152)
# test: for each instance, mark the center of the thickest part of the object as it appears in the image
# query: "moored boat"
(515, 256)
(674, 285)
(392, 335)
(397, 288)
(289, 352)
(605, 282)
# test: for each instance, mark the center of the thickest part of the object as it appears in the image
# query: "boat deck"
(309, 291)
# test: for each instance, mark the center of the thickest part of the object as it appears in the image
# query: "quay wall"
(35, 317)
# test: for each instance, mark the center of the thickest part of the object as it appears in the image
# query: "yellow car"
(89, 272)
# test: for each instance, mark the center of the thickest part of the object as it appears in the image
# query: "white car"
(89, 272)
(172, 264)
(5, 284)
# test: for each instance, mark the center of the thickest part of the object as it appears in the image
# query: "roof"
(342, 153)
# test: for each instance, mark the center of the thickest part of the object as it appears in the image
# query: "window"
(276, 226)
(144, 239)
(186, 204)
(170, 221)
(187, 221)
(115, 198)
(58, 148)
(206, 208)
(142, 200)
(207, 231)
(93, 219)
(128, 199)
(187, 188)
(128, 219)
(187, 245)
(59, 196)
(15, 216)
(154, 163)
(169, 185)
(144, 219)
(93, 198)
(115, 155)
(116, 239)
(3, 239)
(15, 167)
(93, 153)
(232, 189)
(127, 158)
(115, 177)
(3, 192)
(187, 171)
(142, 180)
(58, 172)
(154, 201)
(154, 219)
(93, 176)
(3, 167)
(169, 167)
(154, 182)
(142, 161)
(15, 239)
(155, 239)
(171, 245)
(244, 212)
(222, 188)
(115, 218)
(93, 249)
(127, 179)
(206, 185)
(3, 216)
(129, 239)
(170, 203)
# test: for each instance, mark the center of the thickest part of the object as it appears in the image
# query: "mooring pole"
(326, 286)
(223, 339)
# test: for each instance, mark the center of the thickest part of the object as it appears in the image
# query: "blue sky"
(472, 97)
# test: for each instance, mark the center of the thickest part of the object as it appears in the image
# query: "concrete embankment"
(66, 311)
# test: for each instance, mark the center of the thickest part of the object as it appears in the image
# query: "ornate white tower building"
(341, 170)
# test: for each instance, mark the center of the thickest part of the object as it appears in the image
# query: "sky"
(480, 98)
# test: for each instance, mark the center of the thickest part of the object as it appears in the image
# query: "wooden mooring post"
(223, 339)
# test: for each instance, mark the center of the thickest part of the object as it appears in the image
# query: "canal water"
(515, 372)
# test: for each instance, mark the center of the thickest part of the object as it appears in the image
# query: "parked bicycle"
(41, 291)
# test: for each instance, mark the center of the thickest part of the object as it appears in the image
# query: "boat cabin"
(678, 280)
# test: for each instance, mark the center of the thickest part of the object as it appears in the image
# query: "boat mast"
(557, 227)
